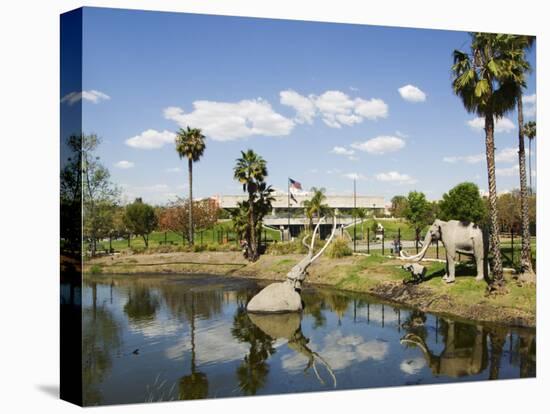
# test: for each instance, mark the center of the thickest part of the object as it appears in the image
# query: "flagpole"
(288, 206)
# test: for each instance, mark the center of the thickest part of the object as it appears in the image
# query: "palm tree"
(190, 144)
(315, 206)
(518, 45)
(486, 81)
(530, 130)
(250, 171)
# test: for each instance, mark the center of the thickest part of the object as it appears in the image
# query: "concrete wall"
(333, 201)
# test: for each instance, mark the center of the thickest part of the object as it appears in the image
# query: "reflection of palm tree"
(497, 337)
(253, 370)
(527, 355)
(195, 385)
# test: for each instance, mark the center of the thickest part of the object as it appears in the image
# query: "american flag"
(294, 185)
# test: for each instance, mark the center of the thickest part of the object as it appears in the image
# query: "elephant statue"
(457, 237)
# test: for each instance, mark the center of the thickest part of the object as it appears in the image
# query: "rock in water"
(277, 297)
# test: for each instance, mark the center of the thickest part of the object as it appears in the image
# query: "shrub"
(95, 269)
(338, 248)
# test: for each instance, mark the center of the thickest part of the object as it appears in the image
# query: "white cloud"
(401, 134)
(412, 94)
(468, 159)
(304, 107)
(530, 106)
(151, 139)
(507, 172)
(229, 121)
(173, 170)
(340, 352)
(412, 366)
(355, 176)
(508, 155)
(124, 165)
(342, 151)
(380, 145)
(530, 99)
(90, 96)
(501, 125)
(505, 155)
(395, 177)
(334, 107)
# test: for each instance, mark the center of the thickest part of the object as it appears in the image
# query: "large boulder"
(277, 297)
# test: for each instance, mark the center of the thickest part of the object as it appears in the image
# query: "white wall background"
(29, 76)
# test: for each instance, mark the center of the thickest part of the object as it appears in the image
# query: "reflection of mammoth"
(457, 237)
(465, 351)
(288, 326)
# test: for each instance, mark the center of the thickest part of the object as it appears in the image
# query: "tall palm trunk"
(252, 247)
(191, 230)
(525, 266)
(498, 277)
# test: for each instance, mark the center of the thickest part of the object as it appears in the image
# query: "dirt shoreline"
(375, 275)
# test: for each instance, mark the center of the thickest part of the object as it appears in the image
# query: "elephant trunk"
(422, 253)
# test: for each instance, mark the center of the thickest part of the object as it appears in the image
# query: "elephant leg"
(480, 260)
(450, 276)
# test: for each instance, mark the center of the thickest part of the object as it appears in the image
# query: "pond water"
(186, 337)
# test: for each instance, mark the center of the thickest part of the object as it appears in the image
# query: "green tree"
(315, 207)
(486, 81)
(262, 206)
(140, 219)
(251, 170)
(398, 205)
(463, 203)
(99, 194)
(530, 130)
(418, 211)
(190, 144)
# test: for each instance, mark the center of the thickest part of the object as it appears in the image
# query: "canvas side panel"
(71, 207)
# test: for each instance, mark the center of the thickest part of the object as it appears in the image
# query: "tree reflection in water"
(142, 304)
(195, 385)
(253, 370)
(464, 352)
(100, 340)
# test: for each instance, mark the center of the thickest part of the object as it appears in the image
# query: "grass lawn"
(221, 234)
(391, 229)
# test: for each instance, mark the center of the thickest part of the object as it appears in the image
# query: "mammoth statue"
(285, 296)
(457, 237)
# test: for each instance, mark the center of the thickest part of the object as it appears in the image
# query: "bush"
(95, 269)
(338, 248)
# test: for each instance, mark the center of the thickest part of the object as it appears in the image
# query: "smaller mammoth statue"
(457, 237)
(417, 271)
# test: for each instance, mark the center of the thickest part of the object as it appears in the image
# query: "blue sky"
(321, 102)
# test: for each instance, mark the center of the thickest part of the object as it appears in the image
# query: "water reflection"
(189, 337)
(289, 327)
(464, 352)
(194, 385)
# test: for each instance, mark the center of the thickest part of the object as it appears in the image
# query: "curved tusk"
(320, 252)
(304, 241)
(315, 233)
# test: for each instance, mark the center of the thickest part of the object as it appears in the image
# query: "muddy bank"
(375, 275)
